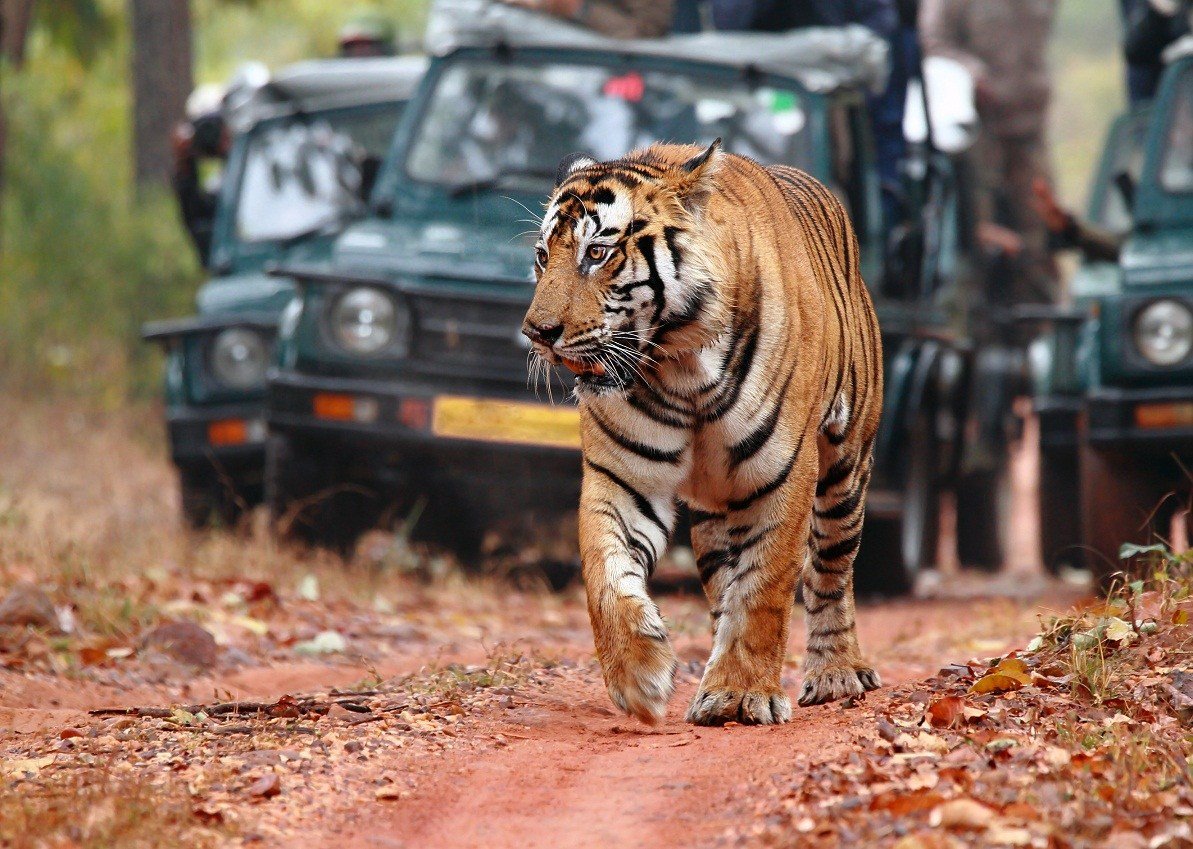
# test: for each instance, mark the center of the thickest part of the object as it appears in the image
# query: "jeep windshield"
(496, 124)
(307, 172)
(1176, 166)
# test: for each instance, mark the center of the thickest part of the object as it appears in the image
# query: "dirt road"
(482, 720)
(539, 759)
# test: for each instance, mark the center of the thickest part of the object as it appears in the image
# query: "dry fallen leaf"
(902, 804)
(922, 742)
(267, 786)
(961, 814)
(1118, 631)
(926, 840)
(946, 712)
(1010, 674)
(1056, 757)
(1002, 835)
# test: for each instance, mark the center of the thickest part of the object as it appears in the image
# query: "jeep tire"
(1121, 494)
(209, 499)
(983, 517)
(310, 501)
(1059, 493)
(895, 549)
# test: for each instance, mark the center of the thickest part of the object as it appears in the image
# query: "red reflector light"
(327, 405)
(228, 432)
(1164, 415)
(629, 87)
(415, 413)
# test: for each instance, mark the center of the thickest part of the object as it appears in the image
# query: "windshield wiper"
(483, 184)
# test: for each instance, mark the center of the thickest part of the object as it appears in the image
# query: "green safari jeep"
(307, 146)
(401, 371)
(1113, 377)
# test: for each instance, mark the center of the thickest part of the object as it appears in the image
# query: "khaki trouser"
(1007, 167)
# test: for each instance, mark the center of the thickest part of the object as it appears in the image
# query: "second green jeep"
(307, 145)
(1114, 377)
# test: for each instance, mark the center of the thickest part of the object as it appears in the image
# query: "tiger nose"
(543, 334)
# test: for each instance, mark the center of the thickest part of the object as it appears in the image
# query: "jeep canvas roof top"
(821, 59)
(326, 84)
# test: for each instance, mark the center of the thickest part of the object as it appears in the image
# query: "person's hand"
(1044, 202)
(983, 93)
(559, 8)
(998, 239)
(182, 140)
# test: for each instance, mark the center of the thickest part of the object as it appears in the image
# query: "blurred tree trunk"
(161, 81)
(15, 17)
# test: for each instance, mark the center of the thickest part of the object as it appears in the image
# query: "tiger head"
(625, 270)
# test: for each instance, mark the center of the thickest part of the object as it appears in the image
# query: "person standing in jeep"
(1004, 44)
(616, 18)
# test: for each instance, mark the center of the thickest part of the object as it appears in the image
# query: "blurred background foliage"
(85, 258)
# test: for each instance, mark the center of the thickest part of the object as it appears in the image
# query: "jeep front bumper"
(1160, 419)
(226, 435)
(471, 433)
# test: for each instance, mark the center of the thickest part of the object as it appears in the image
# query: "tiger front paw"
(830, 683)
(749, 707)
(640, 674)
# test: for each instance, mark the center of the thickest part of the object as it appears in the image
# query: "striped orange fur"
(727, 356)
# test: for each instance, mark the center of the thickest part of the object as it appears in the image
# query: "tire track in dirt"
(575, 775)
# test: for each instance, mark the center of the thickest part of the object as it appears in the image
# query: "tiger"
(727, 357)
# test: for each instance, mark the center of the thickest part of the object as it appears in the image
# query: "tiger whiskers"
(538, 370)
(536, 219)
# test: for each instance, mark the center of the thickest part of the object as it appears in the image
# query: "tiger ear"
(571, 163)
(693, 180)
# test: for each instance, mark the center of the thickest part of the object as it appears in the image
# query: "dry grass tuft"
(96, 809)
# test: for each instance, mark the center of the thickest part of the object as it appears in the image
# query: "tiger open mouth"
(584, 368)
(595, 375)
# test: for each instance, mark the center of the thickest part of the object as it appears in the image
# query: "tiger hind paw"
(836, 682)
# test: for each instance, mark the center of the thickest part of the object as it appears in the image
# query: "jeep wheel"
(1120, 500)
(310, 502)
(879, 571)
(209, 500)
(984, 518)
(895, 550)
(451, 518)
(1060, 517)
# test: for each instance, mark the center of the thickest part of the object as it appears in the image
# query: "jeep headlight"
(239, 357)
(1164, 332)
(367, 321)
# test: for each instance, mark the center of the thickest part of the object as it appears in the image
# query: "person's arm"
(624, 19)
(629, 19)
(1094, 242)
(1151, 26)
(733, 15)
(943, 32)
(879, 16)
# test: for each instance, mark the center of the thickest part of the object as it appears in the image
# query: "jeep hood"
(1159, 257)
(253, 292)
(444, 249)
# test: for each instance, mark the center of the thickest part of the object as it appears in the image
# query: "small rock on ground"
(184, 642)
(27, 604)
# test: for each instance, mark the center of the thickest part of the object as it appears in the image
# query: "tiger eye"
(597, 252)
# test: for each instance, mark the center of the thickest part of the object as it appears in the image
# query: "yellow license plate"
(506, 421)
